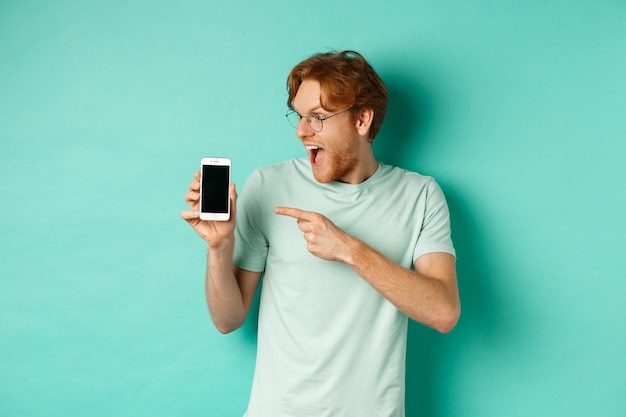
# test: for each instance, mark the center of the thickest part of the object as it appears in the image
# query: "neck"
(364, 170)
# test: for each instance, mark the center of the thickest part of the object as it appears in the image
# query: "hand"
(215, 233)
(323, 238)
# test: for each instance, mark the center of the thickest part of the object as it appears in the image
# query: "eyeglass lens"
(313, 119)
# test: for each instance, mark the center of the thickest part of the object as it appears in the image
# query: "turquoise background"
(518, 108)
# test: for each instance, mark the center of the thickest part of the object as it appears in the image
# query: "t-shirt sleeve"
(251, 246)
(435, 235)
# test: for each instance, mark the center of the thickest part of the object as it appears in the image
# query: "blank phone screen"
(215, 189)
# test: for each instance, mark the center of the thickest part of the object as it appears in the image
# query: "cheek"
(347, 148)
(343, 142)
(342, 157)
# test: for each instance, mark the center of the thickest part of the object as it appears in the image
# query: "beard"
(337, 164)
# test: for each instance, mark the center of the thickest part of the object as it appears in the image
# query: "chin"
(323, 177)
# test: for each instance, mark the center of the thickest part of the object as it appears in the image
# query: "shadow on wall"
(429, 354)
(411, 115)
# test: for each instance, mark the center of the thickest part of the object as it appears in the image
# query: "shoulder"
(410, 186)
(401, 176)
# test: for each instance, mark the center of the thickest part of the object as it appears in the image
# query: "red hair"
(346, 80)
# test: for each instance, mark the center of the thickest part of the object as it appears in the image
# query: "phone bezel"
(207, 215)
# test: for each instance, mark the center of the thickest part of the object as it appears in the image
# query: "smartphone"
(214, 189)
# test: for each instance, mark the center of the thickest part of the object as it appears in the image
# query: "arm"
(229, 290)
(428, 295)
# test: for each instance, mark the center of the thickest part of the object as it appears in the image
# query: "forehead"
(308, 97)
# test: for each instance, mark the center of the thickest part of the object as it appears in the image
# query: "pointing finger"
(294, 212)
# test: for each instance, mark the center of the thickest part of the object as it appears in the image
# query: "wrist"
(222, 245)
(354, 250)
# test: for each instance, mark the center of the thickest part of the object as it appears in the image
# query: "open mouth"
(316, 154)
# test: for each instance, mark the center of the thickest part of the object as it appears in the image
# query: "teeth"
(312, 147)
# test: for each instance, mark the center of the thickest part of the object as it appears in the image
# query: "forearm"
(432, 301)
(428, 295)
(223, 294)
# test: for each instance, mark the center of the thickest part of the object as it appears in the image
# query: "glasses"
(314, 120)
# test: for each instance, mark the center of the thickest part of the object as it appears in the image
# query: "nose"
(304, 130)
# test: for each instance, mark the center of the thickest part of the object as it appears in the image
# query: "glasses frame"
(310, 115)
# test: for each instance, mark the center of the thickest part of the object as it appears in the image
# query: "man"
(349, 248)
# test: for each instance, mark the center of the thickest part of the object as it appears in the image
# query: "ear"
(364, 121)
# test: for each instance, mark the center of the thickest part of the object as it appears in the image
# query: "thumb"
(233, 200)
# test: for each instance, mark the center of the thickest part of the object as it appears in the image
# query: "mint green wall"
(516, 107)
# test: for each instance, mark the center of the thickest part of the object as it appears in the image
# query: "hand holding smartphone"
(215, 189)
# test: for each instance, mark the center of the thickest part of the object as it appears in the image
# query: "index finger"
(195, 184)
(295, 213)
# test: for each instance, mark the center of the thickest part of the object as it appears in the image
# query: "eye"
(318, 117)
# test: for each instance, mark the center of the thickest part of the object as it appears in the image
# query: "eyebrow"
(317, 110)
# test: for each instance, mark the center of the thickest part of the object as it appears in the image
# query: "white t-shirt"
(328, 343)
